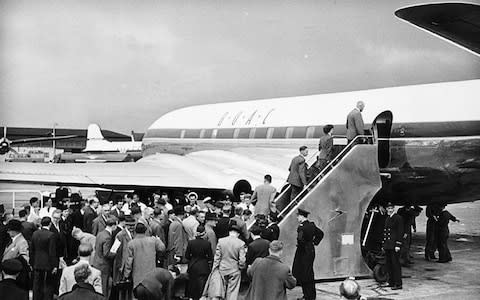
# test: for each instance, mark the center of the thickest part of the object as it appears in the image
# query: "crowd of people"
(168, 246)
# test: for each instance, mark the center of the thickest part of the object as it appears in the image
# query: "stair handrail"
(325, 170)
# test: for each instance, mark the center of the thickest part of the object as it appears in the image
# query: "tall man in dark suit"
(392, 243)
(90, 213)
(44, 261)
(355, 124)
(308, 236)
(258, 247)
(297, 177)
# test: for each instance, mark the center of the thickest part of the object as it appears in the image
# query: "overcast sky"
(123, 64)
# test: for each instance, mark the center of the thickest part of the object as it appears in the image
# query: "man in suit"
(270, 276)
(258, 247)
(298, 177)
(100, 222)
(18, 245)
(9, 290)
(90, 213)
(392, 243)
(117, 208)
(177, 237)
(238, 218)
(230, 260)
(67, 281)
(44, 261)
(264, 195)
(102, 258)
(27, 227)
(142, 255)
(325, 146)
(308, 236)
(355, 124)
(210, 223)
(18, 249)
(82, 290)
(126, 224)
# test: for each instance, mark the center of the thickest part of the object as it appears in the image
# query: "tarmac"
(459, 279)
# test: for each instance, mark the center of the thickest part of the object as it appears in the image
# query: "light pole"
(54, 124)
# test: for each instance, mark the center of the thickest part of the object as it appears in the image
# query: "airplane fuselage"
(432, 152)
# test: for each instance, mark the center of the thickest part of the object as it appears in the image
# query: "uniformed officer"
(308, 236)
(392, 242)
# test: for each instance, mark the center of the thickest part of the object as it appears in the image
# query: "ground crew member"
(309, 235)
(392, 242)
(442, 235)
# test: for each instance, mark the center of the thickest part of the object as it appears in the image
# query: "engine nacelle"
(4, 146)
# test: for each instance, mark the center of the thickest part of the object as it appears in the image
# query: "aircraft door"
(381, 128)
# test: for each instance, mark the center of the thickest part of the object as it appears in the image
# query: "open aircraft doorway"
(381, 127)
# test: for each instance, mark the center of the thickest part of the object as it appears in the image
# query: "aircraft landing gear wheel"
(380, 273)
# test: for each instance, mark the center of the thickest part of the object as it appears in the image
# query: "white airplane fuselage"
(434, 142)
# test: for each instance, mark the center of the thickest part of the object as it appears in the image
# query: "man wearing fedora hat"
(230, 259)
(309, 235)
(210, 223)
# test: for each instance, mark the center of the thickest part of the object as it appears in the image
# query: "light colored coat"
(264, 194)
(18, 247)
(355, 124)
(142, 256)
(229, 255)
(85, 238)
(67, 281)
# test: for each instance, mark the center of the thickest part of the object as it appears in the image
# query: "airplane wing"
(455, 22)
(212, 169)
(42, 139)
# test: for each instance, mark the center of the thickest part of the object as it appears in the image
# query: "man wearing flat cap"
(308, 236)
(9, 290)
(392, 243)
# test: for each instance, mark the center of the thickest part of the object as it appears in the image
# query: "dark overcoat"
(199, 255)
(308, 236)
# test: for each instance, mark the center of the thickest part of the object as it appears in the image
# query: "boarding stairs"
(284, 196)
(337, 199)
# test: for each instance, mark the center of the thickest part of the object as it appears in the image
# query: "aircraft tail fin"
(96, 140)
(94, 132)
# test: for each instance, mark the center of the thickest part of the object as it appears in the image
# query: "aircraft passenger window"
(236, 132)
(202, 133)
(299, 132)
(225, 134)
(244, 133)
(310, 132)
(182, 134)
(214, 133)
(270, 132)
(289, 133)
(279, 133)
(261, 133)
(194, 133)
(252, 133)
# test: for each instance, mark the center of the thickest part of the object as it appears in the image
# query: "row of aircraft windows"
(243, 133)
